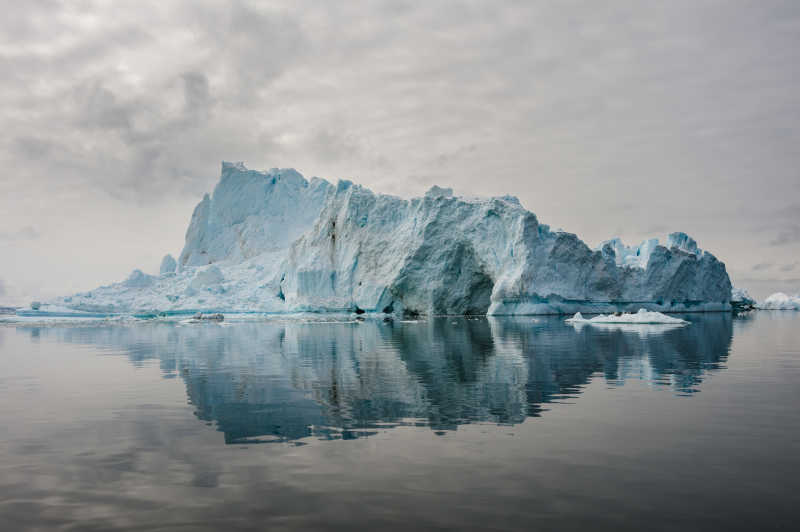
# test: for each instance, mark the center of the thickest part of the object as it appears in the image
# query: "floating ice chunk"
(643, 316)
(781, 301)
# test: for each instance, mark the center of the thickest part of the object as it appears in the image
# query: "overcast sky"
(628, 119)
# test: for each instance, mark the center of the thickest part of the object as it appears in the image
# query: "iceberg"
(275, 242)
(780, 301)
(740, 295)
(643, 317)
(741, 300)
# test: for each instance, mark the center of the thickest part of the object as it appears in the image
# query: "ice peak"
(251, 212)
(510, 199)
(439, 192)
(343, 185)
(239, 165)
(138, 279)
(275, 175)
(683, 242)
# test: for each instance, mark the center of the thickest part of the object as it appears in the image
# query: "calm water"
(446, 424)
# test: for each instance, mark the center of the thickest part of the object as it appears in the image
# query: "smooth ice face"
(250, 213)
(275, 242)
(781, 301)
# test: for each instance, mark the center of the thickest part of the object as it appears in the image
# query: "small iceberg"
(641, 317)
(780, 301)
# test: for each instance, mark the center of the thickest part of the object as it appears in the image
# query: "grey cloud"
(196, 93)
(25, 233)
(456, 154)
(3, 290)
(33, 147)
(130, 117)
(330, 144)
(790, 211)
(789, 267)
(762, 266)
(657, 229)
(787, 235)
(249, 44)
(97, 106)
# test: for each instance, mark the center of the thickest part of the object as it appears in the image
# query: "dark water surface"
(504, 424)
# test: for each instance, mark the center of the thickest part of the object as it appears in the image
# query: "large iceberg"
(274, 242)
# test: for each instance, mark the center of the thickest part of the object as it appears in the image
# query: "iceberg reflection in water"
(288, 380)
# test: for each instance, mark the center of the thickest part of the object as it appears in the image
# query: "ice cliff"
(251, 213)
(275, 242)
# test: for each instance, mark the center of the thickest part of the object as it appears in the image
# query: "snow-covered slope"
(780, 301)
(274, 242)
